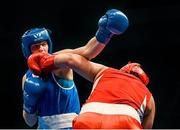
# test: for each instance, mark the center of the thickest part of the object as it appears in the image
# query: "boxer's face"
(40, 47)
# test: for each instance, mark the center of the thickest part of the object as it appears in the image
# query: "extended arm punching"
(89, 51)
(114, 22)
(49, 62)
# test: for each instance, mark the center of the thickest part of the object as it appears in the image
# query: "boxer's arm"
(30, 119)
(114, 22)
(79, 64)
(149, 115)
(89, 51)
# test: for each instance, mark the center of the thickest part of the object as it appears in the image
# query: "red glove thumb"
(33, 63)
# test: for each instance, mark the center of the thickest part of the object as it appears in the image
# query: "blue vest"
(59, 101)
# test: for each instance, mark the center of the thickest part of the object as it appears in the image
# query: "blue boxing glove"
(33, 89)
(113, 22)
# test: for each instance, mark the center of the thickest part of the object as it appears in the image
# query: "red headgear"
(134, 68)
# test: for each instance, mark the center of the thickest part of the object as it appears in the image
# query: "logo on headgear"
(37, 35)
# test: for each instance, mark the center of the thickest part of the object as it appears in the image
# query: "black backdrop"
(151, 39)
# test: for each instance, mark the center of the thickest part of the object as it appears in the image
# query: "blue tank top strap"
(29, 72)
(63, 83)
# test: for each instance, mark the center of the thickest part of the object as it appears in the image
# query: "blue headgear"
(34, 36)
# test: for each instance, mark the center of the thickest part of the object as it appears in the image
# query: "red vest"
(117, 87)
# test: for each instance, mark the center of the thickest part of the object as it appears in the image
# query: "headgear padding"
(34, 36)
(135, 69)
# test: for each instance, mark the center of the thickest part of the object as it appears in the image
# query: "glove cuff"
(103, 35)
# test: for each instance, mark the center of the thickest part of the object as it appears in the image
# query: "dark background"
(152, 39)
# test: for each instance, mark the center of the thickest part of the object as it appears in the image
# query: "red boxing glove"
(34, 64)
(40, 63)
(47, 63)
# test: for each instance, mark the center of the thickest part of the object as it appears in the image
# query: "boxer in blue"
(52, 98)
